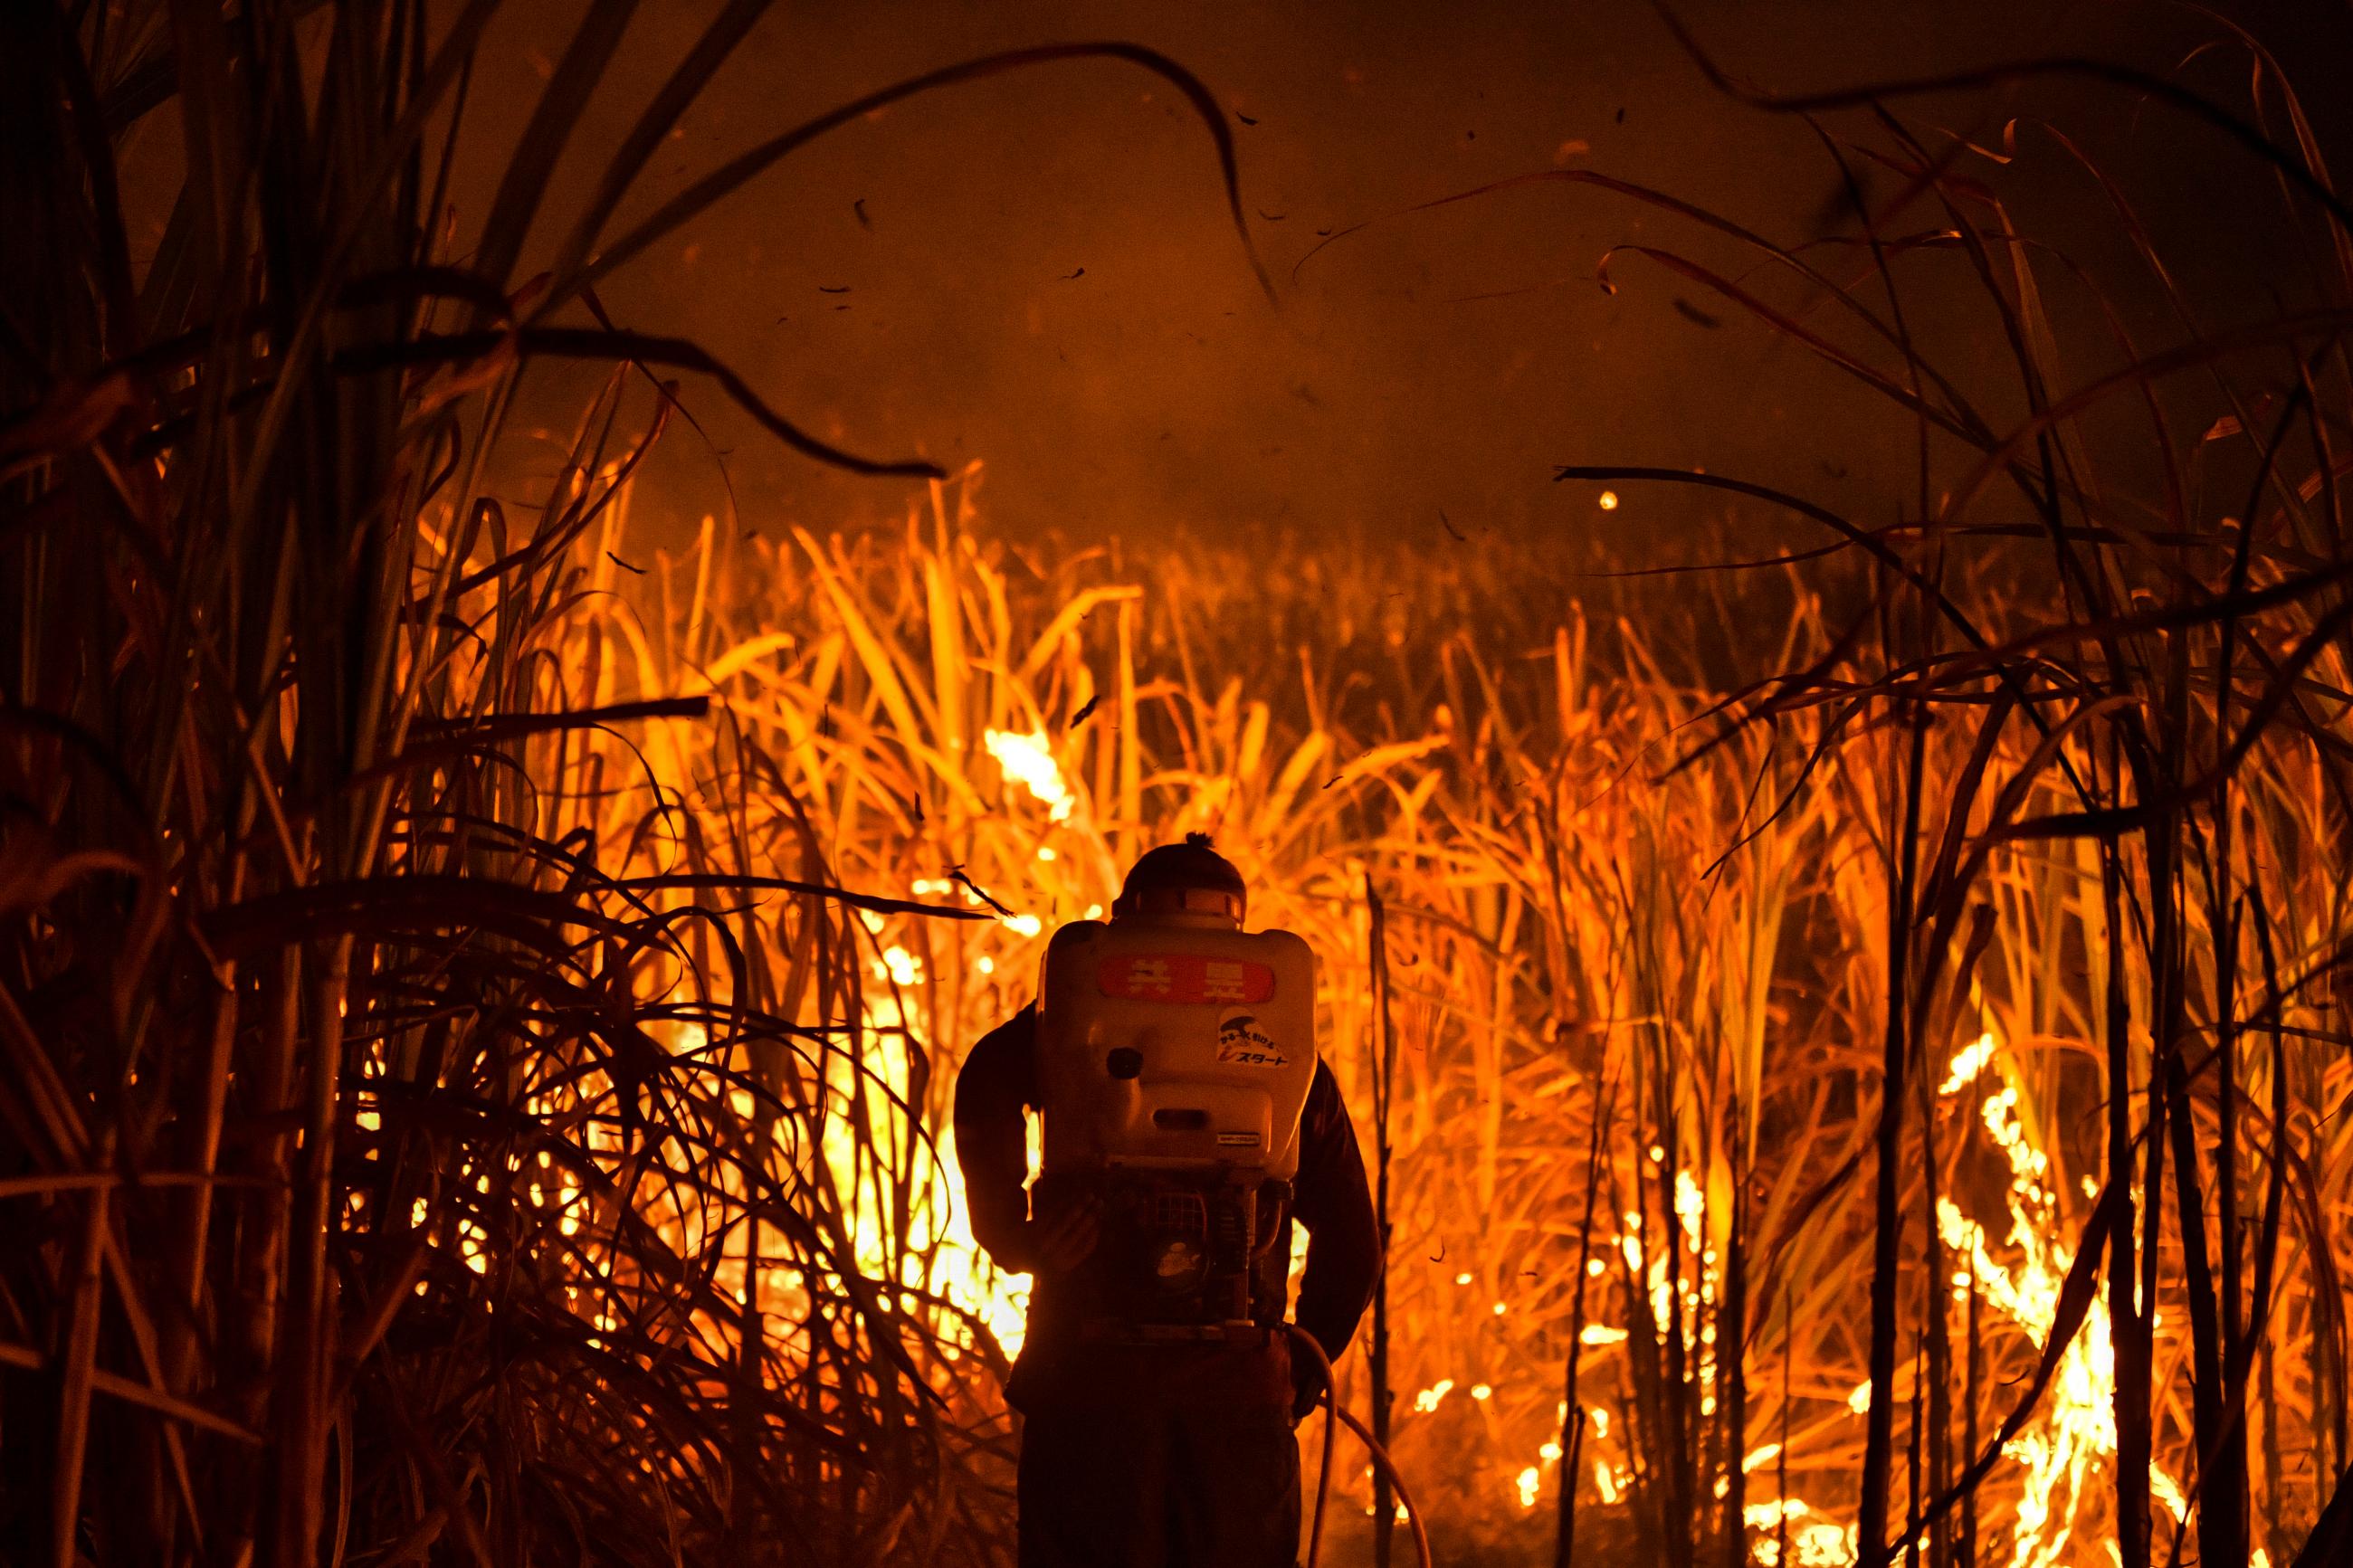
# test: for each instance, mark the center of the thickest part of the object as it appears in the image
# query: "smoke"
(1037, 271)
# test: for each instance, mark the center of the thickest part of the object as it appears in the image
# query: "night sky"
(1038, 271)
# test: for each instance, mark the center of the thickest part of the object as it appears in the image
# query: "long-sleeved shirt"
(998, 1086)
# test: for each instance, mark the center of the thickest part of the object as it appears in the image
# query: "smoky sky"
(1039, 270)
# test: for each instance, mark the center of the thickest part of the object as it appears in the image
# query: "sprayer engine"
(1174, 1062)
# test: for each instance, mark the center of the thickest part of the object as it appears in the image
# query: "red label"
(1184, 977)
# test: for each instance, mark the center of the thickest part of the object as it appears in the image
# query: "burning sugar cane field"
(1849, 1033)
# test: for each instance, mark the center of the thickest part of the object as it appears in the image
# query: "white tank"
(1173, 1049)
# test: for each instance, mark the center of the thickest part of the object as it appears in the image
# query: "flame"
(1029, 760)
(919, 1240)
(1969, 1061)
(939, 1253)
(1822, 1543)
(2078, 1427)
(968, 1278)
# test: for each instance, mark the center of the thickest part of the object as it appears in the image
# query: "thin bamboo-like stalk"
(1383, 1044)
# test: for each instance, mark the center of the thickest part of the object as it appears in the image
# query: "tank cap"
(1124, 1063)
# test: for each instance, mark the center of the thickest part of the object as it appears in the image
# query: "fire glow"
(932, 990)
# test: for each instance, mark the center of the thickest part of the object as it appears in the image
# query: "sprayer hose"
(1332, 1412)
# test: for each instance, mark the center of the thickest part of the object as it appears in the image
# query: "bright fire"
(1029, 760)
(2074, 1434)
(1043, 842)
(2077, 1427)
(941, 1254)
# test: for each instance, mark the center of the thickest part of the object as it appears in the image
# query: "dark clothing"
(1160, 1456)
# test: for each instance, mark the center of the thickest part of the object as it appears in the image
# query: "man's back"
(1158, 1454)
(997, 1088)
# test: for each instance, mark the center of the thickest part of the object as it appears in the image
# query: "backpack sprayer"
(1174, 1058)
(1174, 1054)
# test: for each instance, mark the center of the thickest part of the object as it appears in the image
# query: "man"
(1161, 1455)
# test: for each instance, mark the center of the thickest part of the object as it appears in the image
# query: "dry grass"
(1572, 922)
